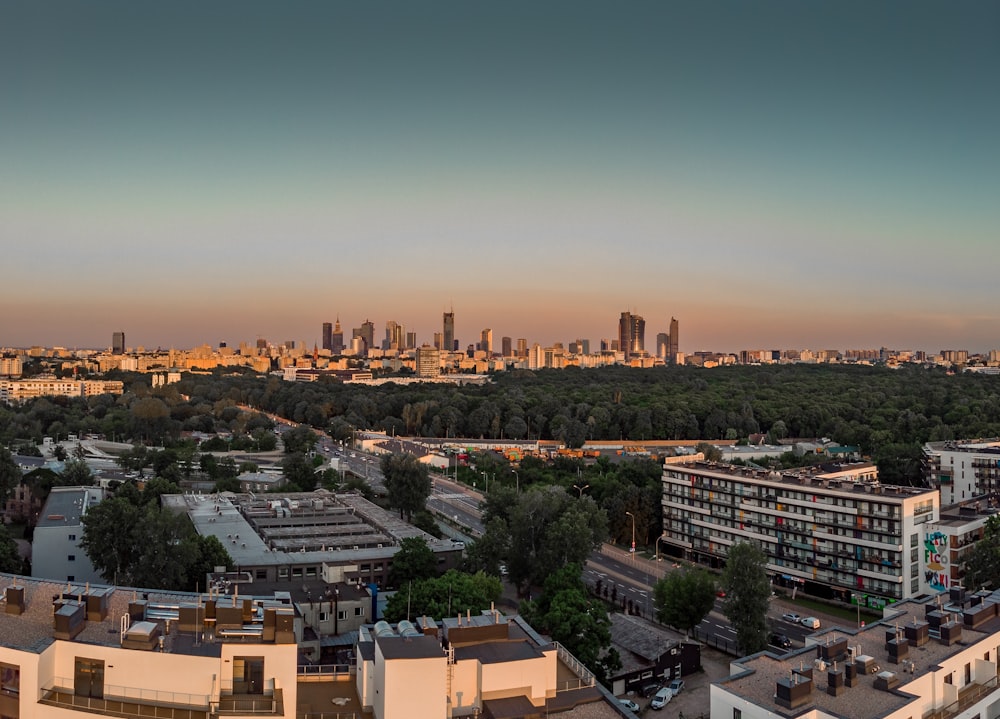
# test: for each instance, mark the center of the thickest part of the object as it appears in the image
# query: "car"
(676, 686)
(649, 690)
(630, 705)
(780, 640)
(791, 617)
(810, 622)
(661, 698)
(720, 593)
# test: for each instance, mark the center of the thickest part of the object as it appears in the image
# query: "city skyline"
(774, 175)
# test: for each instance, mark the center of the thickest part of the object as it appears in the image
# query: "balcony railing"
(967, 696)
(127, 702)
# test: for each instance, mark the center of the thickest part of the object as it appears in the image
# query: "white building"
(56, 553)
(931, 659)
(964, 470)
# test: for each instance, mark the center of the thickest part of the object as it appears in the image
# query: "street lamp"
(580, 489)
(657, 544)
(857, 602)
(517, 479)
(633, 534)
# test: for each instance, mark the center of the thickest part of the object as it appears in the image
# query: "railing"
(567, 658)
(270, 703)
(967, 696)
(129, 702)
(325, 670)
(327, 715)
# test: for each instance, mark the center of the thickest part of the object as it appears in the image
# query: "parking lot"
(693, 701)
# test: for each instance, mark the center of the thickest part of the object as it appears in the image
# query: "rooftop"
(65, 505)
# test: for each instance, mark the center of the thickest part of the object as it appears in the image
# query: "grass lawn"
(850, 615)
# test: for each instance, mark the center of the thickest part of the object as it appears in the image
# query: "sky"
(772, 174)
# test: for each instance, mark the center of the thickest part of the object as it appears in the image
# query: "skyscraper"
(118, 343)
(448, 333)
(486, 341)
(366, 333)
(631, 334)
(395, 334)
(506, 346)
(327, 336)
(522, 347)
(663, 346)
(675, 340)
(337, 341)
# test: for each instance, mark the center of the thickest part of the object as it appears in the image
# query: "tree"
(450, 594)
(407, 483)
(299, 439)
(76, 473)
(299, 472)
(571, 617)
(413, 562)
(10, 558)
(682, 599)
(982, 565)
(747, 594)
(10, 475)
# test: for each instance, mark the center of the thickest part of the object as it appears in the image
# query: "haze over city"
(775, 174)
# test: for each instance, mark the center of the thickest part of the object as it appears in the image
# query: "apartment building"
(833, 531)
(934, 658)
(24, 389)
(964, 469)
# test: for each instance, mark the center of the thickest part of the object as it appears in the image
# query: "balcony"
(128, 702)
(967, 696)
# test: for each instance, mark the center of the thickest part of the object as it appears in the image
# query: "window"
(359, 611)
(261, 574)
(283, 572)
(71, 558)
(323, 616)
(737, 714)
(88, 678)
(10, 679)
(341, 614)
(248, 675)
(72, 537)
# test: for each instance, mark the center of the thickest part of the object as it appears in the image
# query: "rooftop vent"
(886, 681)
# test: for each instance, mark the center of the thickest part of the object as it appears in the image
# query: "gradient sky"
(773, 174)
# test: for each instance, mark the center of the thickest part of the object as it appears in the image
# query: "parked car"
(649, 690)
(676, 686)
(791, 617)
(810, 622)
(780, 640)
(630, 705)
(661, 698)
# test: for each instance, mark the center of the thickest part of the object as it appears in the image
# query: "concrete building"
(56, 552)
(948, 541)
(934, 658)
(964, 469)
(22, 390)
(428, 361)
(834, 531)
(307, 535)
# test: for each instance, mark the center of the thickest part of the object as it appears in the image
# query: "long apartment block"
(964, 469)
(834, 531)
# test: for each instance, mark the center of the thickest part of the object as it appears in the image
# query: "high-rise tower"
(675, 340)
(631, 334)
(337, 340)
(118, 343)
(448, 333)
(327, 336)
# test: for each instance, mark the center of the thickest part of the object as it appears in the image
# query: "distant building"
(964, 469)
(486, 341)
(327, 336)
(55, 550)
(631, 334)
(506, 347)
(428, 361)
(663, 346)
(337, 339)
(675, 340)
(118, 343)
(448, 332)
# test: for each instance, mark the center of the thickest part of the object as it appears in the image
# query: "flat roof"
(65, 506)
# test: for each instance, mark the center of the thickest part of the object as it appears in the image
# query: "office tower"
(261, 343)
(584, 346)
(411, 340)
(631, 334)
(366, 333)
(663, 345)
(428, 361)
(327, 336)
(486, 341)
(337, 341)
(394, 333)
(118, 343)
(605, 345)
(438, 341)
(448, 333)
(506, 346)
(522, 347)
(675, 338)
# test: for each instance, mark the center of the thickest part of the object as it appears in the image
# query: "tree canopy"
(452, 593)
(407, 482)
(683, 598)
(747, 594)
(982, 565)
(413, 562)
